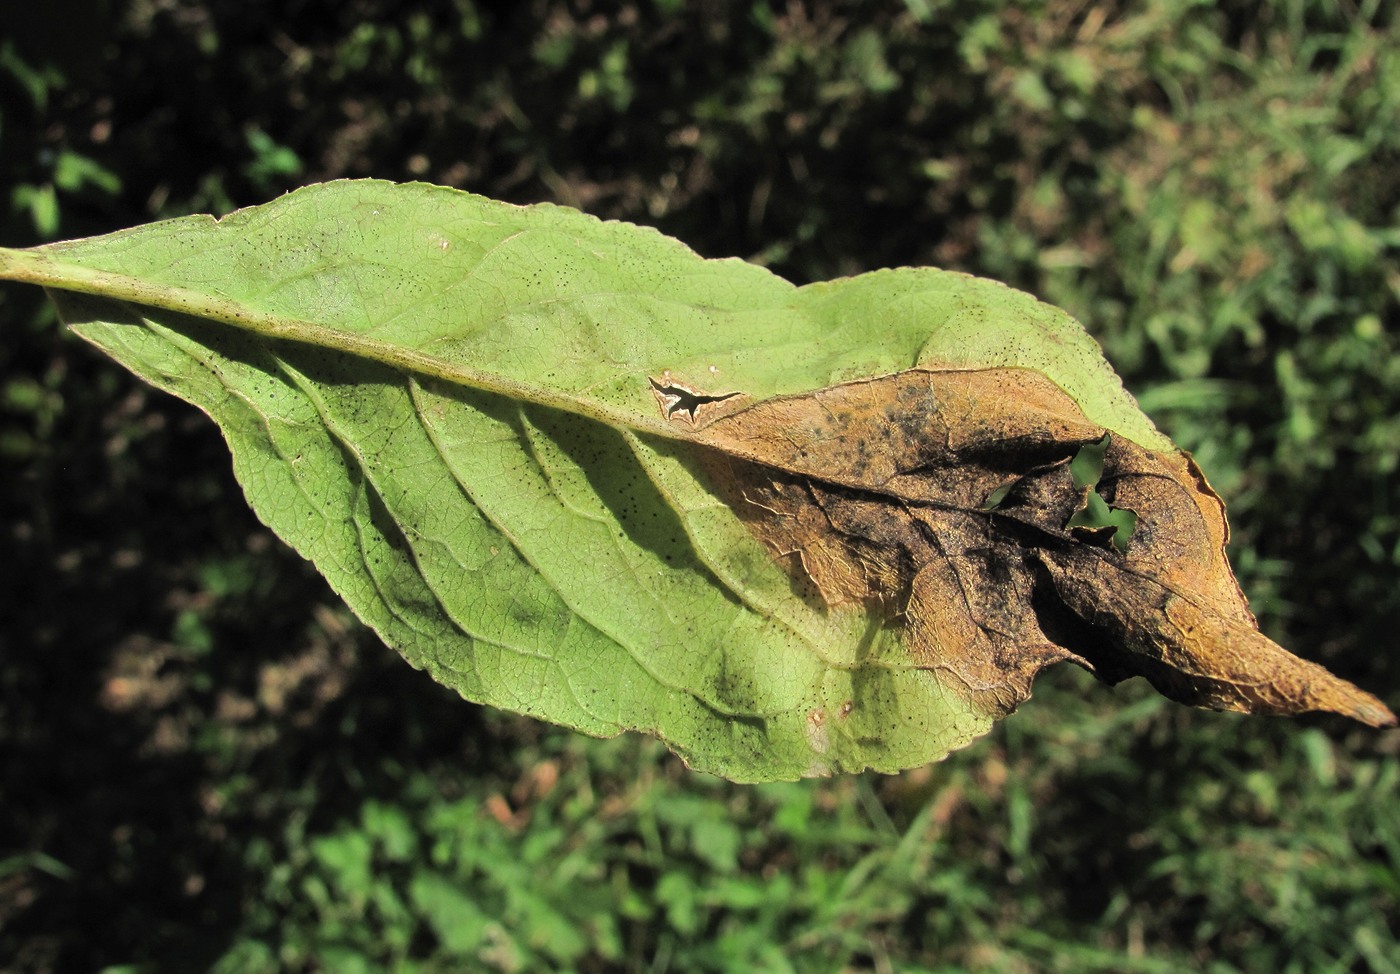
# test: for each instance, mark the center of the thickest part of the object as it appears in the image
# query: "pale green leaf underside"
(537, 542)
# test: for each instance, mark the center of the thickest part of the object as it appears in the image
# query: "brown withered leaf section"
(878, 493)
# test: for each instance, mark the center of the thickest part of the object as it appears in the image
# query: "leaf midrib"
(32, 267)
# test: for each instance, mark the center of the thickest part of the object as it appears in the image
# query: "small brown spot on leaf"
(945, 500)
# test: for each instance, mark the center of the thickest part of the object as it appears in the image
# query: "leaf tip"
(1371, 711)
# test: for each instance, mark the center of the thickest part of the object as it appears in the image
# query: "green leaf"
(446, 403)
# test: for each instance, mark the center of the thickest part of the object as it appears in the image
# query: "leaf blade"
(447, 404)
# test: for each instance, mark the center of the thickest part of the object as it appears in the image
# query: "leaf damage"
(683, 402)
(945, 500)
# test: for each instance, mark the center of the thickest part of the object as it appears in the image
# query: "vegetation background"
(209, 765)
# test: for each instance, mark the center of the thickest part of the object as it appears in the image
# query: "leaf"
(550, 460)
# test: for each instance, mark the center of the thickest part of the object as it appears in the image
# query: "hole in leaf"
(1097, 520)
(1087, 466)
(995, 498)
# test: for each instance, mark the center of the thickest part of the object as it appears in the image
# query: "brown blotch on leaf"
(876, 493)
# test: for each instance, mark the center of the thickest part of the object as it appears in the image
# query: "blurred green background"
(207, 764)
